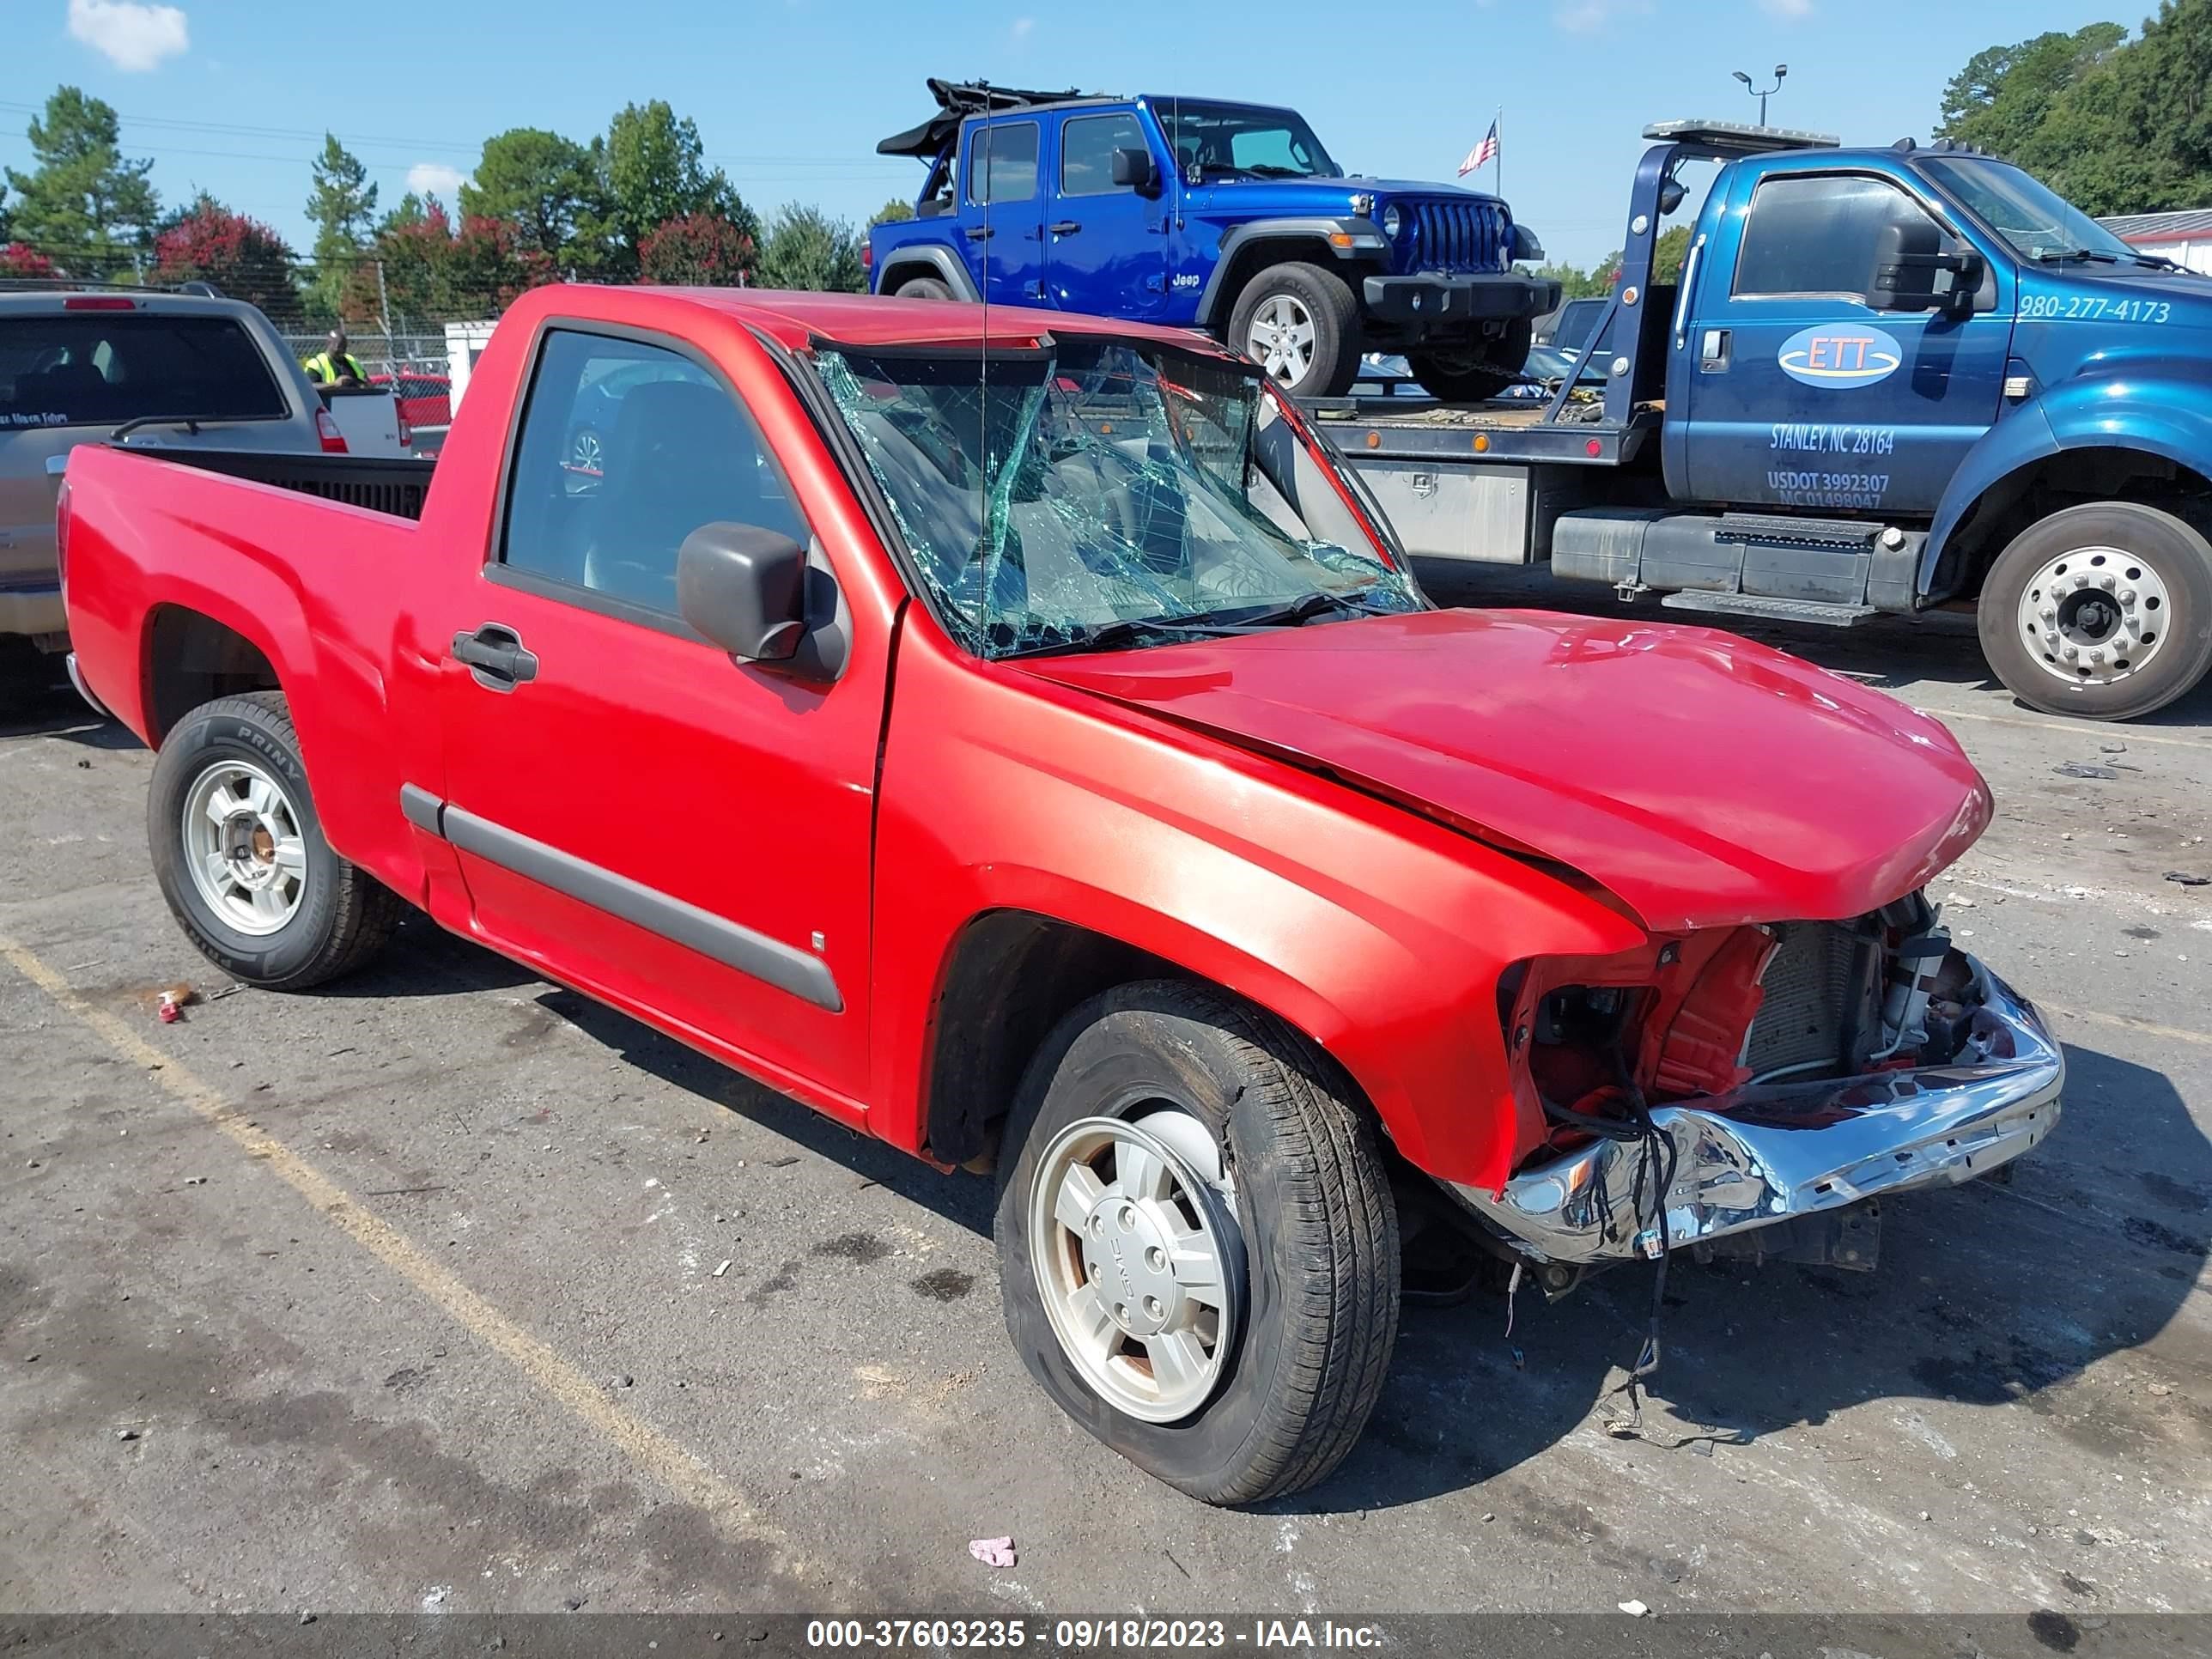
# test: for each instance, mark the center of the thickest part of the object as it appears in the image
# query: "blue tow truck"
(1230, 217)
(1888, 379)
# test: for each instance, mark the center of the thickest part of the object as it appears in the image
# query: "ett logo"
(1841, 354)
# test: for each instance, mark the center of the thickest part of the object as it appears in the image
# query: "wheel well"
(1254, 257)
(906, 270)
(2069, 479)
(190, 659)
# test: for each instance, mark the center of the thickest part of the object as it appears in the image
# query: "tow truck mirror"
(745, 588)
(1910, 261)
(1135, 169)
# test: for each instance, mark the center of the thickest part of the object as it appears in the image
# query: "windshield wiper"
(190, 422)
(2159, 262)
(1130, 631)
(1295, 615)
(2050, 255)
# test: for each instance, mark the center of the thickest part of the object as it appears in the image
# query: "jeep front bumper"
(1432, 302)
(1758, 1155)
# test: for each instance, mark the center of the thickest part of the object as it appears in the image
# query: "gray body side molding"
(943, 262)
(770, 961)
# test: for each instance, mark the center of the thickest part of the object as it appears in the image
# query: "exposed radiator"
(1814, 999)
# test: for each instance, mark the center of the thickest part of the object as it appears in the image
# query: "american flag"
(1481, 152)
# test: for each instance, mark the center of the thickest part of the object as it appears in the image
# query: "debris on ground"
(724, 1268)
(2113, 748)
(993, 1552)
(1636, 1610)
(2082, 769)
(127, 1434)
(624, 1380)
(2188, 880)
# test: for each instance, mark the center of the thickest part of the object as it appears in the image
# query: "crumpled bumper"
(1762, 1154)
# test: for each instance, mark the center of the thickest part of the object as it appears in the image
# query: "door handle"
(1065, 227)
(981, 233)
(496, 657)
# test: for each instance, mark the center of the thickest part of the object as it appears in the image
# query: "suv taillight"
(406, 431)
(868, 256)
(62, 533)
(327, 429)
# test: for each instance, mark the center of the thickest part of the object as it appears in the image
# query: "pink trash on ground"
(993, 1552)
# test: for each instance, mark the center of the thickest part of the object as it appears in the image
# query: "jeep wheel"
(2103, 610)
(1300, 324)
(1477, 371)
(1198, 1248)
(923, 288)
(239, 855)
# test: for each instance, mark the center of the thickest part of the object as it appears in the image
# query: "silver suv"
(83, 365)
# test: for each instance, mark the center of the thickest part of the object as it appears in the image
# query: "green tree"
(656, 170)
(2004, 94)
(1575, 282)
(343, 209)
(805, 249)
(896, 211)
(1667, 254)
(82, 203)
(553, 190)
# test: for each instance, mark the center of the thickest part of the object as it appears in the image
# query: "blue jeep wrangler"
(1228, 217)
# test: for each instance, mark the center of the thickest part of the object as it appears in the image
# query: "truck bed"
(390, 485)
(1502, 432)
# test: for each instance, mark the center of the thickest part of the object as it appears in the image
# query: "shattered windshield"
(1094, 493)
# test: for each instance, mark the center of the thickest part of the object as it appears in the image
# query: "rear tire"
(1275, 1174)
(1477, 372)
(239, 851)
(923, 288)
(2130, 583)
(1301, 324)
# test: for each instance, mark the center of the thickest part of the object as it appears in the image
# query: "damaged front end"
(1759, 1078)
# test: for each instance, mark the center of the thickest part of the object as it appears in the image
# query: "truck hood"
(1321, 196)
(1704, 781)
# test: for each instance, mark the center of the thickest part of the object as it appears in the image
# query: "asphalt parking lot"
(447, 1289)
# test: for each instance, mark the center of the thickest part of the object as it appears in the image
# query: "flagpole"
(1498, 156)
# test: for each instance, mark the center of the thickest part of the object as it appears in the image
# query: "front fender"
(2166, 412)
(1367, 242)
(942, 260)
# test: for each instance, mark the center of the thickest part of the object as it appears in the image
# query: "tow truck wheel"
(1300, 324)
(1477, 371)
(1198, 1248)
(923, 288)
(2103, 610)
(239, 851)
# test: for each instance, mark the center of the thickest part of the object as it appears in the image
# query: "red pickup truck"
(1030, 747)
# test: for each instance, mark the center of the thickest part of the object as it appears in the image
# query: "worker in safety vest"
(333, 367)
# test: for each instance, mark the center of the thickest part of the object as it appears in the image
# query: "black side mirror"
(745, 588)
(1135, 169)
(1910, 260)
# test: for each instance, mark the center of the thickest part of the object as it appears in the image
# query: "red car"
(424, 399)
(1032, 750)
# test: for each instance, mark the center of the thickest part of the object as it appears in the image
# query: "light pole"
(1780, 74)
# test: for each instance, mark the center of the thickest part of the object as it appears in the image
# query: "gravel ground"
(447, 1289)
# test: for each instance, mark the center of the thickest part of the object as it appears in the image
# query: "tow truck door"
(1800, 395)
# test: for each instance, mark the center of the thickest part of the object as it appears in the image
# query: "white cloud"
(1022, 28)
(1790, 11)
(129, 35)
(436, 179)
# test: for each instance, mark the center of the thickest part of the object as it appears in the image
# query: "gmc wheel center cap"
(1126, 1253)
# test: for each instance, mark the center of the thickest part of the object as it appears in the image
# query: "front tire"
(2102, 611)
(239, 851)
(1197, 1244)
(1301, 324)
(1480, 370)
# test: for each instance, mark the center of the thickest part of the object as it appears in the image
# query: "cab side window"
(1087, 143)
(1002, 162)
(626, 448)
(1812, 234)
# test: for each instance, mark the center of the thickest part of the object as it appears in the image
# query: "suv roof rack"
(72, 284)
(956, 101)
(1739, 138)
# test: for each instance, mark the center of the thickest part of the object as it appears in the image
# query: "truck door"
(649, 820)
(1002, 211)
(1106, 245)
(1800, 395)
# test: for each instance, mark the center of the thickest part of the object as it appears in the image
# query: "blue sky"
(791, 95)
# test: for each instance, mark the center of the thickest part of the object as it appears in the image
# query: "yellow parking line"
(677, 1468)
(2126, 734)
(2124, 1022)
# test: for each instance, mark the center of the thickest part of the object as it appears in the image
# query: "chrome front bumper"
(1762, 1154)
